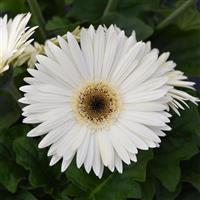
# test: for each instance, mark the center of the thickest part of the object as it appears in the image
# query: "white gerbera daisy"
(13, 38)
(100, 100)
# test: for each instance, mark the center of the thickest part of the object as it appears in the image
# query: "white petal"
(51, 123)
(110, 51)
(54, 135)
(106, 148)
(121, 151)
(90, 154)
(99, 51)
(139, 143)
(97, 159)
(83, 150)
(118, 164)
(54, 160)
(66, 163)
(87, 48)
(77, 56)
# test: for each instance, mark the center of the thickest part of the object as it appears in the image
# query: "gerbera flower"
(99, 101)
(14, 37)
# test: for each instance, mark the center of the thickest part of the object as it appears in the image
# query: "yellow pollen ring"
(97, 104)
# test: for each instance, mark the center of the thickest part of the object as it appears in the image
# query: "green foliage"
(28, 157)
(189, 20)
(129, 24)
(191, 172)
(9, 109)
(171, 172)
(184, 47)
(167, 161)
(9, 6)
(10, 173)
(148, 189)
(88, 10)
(126, 186)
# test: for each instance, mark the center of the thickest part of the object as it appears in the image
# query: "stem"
(35, 9)
(111, 6)
(175, 14)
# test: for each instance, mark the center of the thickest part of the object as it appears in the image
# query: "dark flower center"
(96, 103)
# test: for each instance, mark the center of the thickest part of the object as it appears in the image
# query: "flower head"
(99, 101)
(14, 37)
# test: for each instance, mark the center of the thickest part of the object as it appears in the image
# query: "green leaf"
(68, 1)
(166, 164)
(19, 195)
(9, 110)
(124, 185)
(137, 7)
(25, 195)
(137, 171)
(7, 136)
(184, 47)
(125, 188)
(189, 195)
(129, 24)
(88, 10)
(191, 172)
(18, 7)
(36, 162)
(57, 23)
(100, 188)
(5, 195)
(168, 174)
(180, 144)
(6, 77)
(60, 26)
(72, 191)
(10, 173)
(163, 194)
(148, 189)
(80, 178)
(189, 120)
(189, 20)
(193, 178)
(64, 198)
